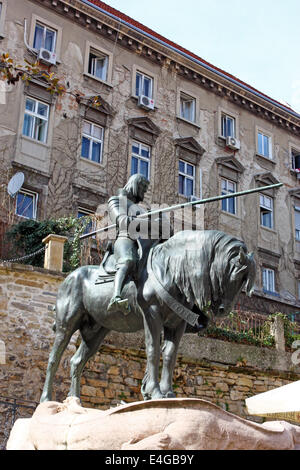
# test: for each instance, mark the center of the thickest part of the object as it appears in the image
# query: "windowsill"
(272, 230)
(266, 159)
(235, 216)
(91, 162)
(88, 75)
(186, 121)
(29, 139)
(270, 293)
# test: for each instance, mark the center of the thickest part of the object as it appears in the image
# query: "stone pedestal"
(54, 253)
(167, 424)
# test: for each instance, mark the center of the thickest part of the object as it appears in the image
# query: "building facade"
(192, 129)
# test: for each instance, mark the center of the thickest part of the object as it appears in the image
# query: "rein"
(186, 314)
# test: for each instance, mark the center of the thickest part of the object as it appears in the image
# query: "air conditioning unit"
(47, 56)
(146, 102)
(233, 143)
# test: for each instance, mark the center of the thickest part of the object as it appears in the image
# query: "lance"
(187, 204)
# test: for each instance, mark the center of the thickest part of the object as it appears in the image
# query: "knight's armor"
(122, 212)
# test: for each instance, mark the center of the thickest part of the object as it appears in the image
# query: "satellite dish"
(15, 184)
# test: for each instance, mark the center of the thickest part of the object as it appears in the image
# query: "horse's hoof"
(169, 395)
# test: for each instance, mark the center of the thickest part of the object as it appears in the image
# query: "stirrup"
(117, 303)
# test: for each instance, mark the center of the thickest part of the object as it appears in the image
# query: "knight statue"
(123, 209)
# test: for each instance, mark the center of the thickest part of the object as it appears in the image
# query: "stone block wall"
(27, 298)
(115, 374)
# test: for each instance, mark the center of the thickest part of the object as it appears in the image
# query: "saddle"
(108, 269)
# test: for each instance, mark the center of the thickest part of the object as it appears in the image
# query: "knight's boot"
(117, 303)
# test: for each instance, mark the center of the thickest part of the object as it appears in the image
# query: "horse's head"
(240, 273)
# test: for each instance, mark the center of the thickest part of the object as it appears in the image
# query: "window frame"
(46, 27)
(2, 17)
(87, 213)
(184, 98)
(269, 136)
(266, 271)
(92, 139)
(91, 48)
(58, 29)
(226, 116)
(34, 196)
(293, 149)
(266, 208)
(35, 116)
(141, 87)
(140, 157)
(297, 231)
(186, 177)
(225, 202)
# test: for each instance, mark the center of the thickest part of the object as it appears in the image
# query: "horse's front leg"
(153, 327)
(172, 339)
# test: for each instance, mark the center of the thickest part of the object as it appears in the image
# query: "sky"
(258, 41)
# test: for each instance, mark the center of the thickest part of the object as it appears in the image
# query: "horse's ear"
(242, 256)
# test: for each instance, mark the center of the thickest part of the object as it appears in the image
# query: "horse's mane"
(198, 262)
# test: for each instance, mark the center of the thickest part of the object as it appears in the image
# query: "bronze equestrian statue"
(167, 285)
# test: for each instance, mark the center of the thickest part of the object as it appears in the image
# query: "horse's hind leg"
(172, 339)
(91, 341)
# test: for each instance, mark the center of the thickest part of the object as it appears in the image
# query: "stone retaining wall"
(222, 372)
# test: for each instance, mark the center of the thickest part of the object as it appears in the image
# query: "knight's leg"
(91, 341)
(172, 339)
(153, 326)
(120, 277)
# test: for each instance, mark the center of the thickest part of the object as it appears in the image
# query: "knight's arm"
(117, 209)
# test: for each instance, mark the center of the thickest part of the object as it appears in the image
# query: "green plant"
(26, 238)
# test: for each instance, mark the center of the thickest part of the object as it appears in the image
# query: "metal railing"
(250, 323)
(12, 409)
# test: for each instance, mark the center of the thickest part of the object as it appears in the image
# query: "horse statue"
(182, 282)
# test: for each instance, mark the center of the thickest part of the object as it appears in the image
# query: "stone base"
(168, 424)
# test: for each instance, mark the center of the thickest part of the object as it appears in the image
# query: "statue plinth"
(165, 424)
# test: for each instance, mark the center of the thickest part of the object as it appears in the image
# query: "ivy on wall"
(26, 238)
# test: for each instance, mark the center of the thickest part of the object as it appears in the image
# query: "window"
(266, 211)
(264, 147)
(295, 159)
(92, 142)
(227, 187)
(187, 107)
(44, 37)
(143, 85)
(297, 222)
(26, 204)
(90, 227)
(268, 280)
(227, 125)
(36, 120)
(140, 159)
(186, 179)
(98, 65)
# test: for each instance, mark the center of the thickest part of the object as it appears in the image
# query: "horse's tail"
(54, 323)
